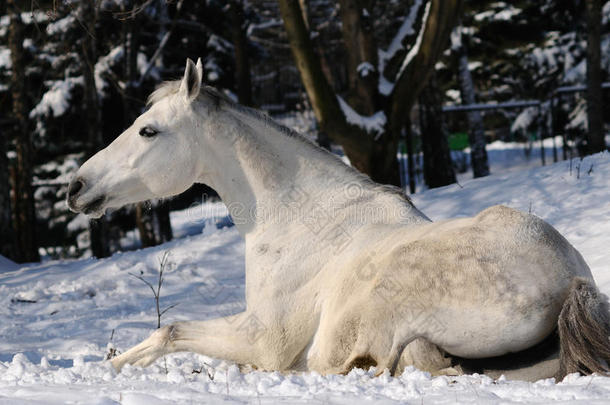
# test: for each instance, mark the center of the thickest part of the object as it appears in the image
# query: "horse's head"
(154, 158)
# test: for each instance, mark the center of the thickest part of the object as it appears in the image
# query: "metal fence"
(412, 174)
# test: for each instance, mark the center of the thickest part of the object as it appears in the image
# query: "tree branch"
(442, 16)
(361, 50)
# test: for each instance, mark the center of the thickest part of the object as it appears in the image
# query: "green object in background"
(458, 141)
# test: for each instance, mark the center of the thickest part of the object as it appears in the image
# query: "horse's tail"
(584, 331)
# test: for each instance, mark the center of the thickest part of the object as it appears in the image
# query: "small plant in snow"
(112, 351)
(163, 266)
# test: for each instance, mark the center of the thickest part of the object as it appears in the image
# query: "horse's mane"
(218, 99)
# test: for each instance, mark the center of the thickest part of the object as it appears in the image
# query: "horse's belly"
(489, 333)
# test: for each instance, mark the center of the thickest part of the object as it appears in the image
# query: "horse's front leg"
(235, 338)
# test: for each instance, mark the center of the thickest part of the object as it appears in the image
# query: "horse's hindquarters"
(489, 285)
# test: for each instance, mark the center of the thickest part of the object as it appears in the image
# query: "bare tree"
(476, 130)
(595, 118)
(376, 86)
(24, 218)
(164, 265)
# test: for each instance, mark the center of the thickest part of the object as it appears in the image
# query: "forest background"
(389, 85)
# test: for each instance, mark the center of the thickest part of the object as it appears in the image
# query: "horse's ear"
(199, 67)
(191, 82)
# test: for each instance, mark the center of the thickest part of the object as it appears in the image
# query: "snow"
(57, 99)
(405, 30)
(455, 38)
(61, 26)
(385, 86)
(271, 23)
(415, 48)
(474, 65)
(65, 169)
(34, 16)
(5, 58)
(606, 13)
(373, 124)
(484, 15)
(578, 117)
(525, 120)
(212, 70)
(27, 18)
(104, 66)
(52, 350)
(365, 68)
(454, 95)
(502, 12)
(219, 44)
(507, 14)
(78, 223)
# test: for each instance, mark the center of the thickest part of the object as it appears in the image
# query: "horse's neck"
(271, 178)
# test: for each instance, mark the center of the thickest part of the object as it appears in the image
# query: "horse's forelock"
(163, 90)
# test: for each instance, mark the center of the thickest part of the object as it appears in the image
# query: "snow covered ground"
(58, 320)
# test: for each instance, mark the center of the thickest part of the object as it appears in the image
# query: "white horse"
(340, 271)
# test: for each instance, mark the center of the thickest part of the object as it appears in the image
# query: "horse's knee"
(161, 338)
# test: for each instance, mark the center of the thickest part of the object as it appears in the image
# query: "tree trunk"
(374, 155)
(145, 224)
(595, 136)
(476, 130)
(24, 218)
(98, 228)
(361, 50)
(164, 231)
(242, 60)
(7, 237)
(438, 167)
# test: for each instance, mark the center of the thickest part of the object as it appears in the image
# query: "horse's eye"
(148, 132)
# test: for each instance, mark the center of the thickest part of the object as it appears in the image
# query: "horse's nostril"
(75, 187)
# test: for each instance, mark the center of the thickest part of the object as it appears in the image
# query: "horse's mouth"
(93, 208)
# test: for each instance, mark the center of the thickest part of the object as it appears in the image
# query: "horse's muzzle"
(75, 190)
